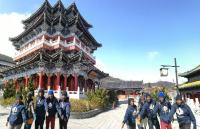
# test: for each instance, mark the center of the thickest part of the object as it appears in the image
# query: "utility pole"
(176, 72)
(165, 67)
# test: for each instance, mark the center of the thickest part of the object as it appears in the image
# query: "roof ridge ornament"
(77, 17)
(45, 16)
(44, 24)
(60, 18)
(59, 4)
(46, 3)
(73, 6)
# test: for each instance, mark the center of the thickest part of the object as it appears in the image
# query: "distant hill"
(116, 83)
(161, 83)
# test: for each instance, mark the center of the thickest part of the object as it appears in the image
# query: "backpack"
(28, 110)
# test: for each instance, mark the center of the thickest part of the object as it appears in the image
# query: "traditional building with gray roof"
(55, 51)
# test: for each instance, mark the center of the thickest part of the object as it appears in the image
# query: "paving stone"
(108, 120)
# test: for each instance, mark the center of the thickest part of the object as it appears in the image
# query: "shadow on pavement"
(123, 102)
(3, 114)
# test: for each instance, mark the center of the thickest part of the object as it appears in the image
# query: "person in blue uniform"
(163, 109)
(17, 114)
(52, 107)
(142, 123)
(64, 110)
(184, 114)
(130, 115)
(148, 109)
(29, 104)
(40, 110)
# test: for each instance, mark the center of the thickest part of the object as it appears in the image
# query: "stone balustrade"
(39, 43)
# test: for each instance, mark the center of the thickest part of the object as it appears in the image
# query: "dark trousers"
(153, 122)
(50, 120)
(15, 127)
(63, 123)
(140, 127)
(27, 126)
(131, 126)
(39, 123)
(185, 126)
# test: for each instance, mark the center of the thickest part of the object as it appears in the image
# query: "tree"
(31, 86)
(98, 98)
(22, 91)
(9, 90)
(112, 96)
(156, 91)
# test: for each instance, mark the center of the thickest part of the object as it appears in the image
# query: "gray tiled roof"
(6, 58)
(188, 73)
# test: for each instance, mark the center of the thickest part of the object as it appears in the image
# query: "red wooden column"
(40, 80)
(75, 82)
(49, 82)
(26, 81)
(58, 80)
(65, 82)
(85, 85)
(16, 85)
(93, 85)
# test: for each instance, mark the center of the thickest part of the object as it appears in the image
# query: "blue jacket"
(40, 108)
(140, 105)
(129, 118)
(52, 106)
(64, 109)
(148, 109)
(17, 114)
(163, 109)
(184, 114)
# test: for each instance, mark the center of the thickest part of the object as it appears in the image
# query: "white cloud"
(10, 26)
(152, 55)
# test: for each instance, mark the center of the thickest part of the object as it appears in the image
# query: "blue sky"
(137, 35)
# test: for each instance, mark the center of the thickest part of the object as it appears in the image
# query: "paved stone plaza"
(108, 120)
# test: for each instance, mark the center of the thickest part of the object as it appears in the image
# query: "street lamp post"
(164, 72)
(176, 72)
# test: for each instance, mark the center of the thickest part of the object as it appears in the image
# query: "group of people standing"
(148, 109)
(43, 108)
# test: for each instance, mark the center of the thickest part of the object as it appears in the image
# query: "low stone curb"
(89, 114)
(83, 115)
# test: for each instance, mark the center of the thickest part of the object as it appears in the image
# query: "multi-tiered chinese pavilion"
(55, 50)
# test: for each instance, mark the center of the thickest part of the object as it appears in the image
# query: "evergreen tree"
(31, 86)
(155, 93)
(9, 90)
(22, 91)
